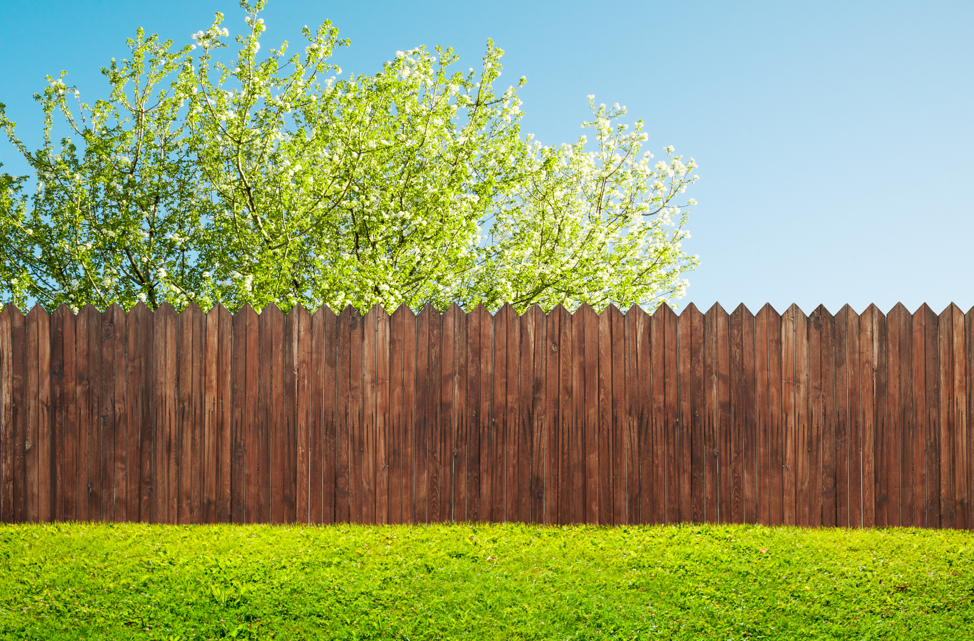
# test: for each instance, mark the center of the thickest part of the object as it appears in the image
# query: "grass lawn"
(74, 581)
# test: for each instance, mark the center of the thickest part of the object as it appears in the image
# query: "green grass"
(72, 581)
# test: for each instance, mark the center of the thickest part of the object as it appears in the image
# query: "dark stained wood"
(166, 331)
(459, 448)
(776, 420)
(244, 435)
(140, 357)
(883, 430)
(421, 431)
(749, 442)
(644, 412)
(959, 418)
(56, 492)
(905, 415)
(893, 424)
(725, 463)
(698, 425)
(474, 404)
(618, 400)
(567, 425)
(316, 414)
(658, 415)
(868, 359)
(356, 414)
(224, 405)
(397, 411)
(486, 413)
(79, 461)
(505, 379)
(672, 431)
(931, 424)
(854, 352)
(189, 346)
(789, 416)
(31, 406)
(288, 424)
(685, 444)
(6, 419)
(844, 421)
(343, 333)
(96, 421)
(711, 444)
(411, 410)
(590, 447)
(276, 440)
(538, 416)
(382, 440)
(945, 405)
(119, 409)
(68, 491)
(19, 397)
(446, 423)
(554, 434)
(828, 419)
(265, 416)
(968, 320)
(632, 410)
(577, 455)
(803, 453)
(45, 436)
(915, 445)
(813, 440)
(497, 470)
(604, 437)
(732, 445)
(369, 419)
(514, 430)
(302, 498)
(762, 434)
(435, 420)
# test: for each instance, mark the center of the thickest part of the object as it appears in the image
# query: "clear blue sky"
(835, 139)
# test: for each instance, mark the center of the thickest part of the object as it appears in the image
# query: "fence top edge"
(9, 309)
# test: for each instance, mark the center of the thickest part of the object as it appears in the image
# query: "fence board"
(698, 425)
(474, 404)
(631, 425)
(356, 414)
(538, 417)
(604, 437)
(814, 451)
(343, 334)
(644, 431)
(828, 420)
(422, 420)
(486, 410)
(732, 448)
(762, 450)
(302, 498)
(396, 411)
(959, 418)
(411, 410)
(711, 442)
(369, 418)
(658, 439)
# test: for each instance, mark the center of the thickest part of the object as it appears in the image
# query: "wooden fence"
(846, 420)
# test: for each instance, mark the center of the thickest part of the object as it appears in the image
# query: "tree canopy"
(212, 176)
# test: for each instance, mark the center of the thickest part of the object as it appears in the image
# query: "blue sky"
(835, 139)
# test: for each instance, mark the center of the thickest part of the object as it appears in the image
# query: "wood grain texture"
(698, 426)
(608, 418)
(828, 419)
(762, 447)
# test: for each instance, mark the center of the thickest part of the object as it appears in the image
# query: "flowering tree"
(267, 179)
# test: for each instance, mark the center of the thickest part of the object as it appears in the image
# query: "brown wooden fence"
(846, 420)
